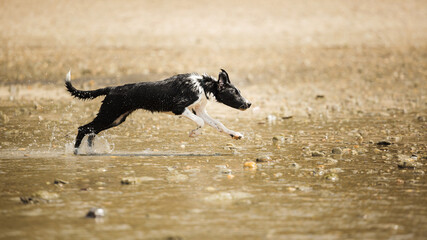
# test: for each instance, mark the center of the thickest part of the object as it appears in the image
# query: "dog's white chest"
(199, 103)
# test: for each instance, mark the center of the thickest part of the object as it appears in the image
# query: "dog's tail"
(84, 94)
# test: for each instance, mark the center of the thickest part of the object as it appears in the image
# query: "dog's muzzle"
(245, 106)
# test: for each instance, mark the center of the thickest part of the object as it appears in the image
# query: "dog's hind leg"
(90, 139)
(103, 127)
(102, 122)
(90, 129)
(83, 131)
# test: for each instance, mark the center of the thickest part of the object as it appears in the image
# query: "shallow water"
(198, 188)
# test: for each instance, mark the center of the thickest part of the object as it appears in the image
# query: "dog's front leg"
(217, 125)
(199, 121)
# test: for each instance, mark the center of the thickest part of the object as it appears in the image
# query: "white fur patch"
(120, 118)
(195, 82)
(188, 114)
(211, 96)
(195, 79)
(68, 77)
(200, 91)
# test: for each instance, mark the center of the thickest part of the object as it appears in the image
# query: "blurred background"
(309, 47)
(42, 39)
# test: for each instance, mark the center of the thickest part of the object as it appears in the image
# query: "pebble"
(277, 140)
(331, 161)
(346, 151)
(289, 139)
(359, 139)
(59, 181)
(250, 165)
(318, 172)
(135, 180)
(263, 158)
(317, 154)
(32, 200)
(95, 213)
(383, 143)
(421, 118)
(331, 177)
(407, 163)
(294, 165)
(376, 150)
(336, 150)
(299, 188)
(225, 171)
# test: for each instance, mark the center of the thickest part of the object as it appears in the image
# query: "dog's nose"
(249, 104)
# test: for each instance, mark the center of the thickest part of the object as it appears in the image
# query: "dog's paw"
(195, 132)
(236, 135)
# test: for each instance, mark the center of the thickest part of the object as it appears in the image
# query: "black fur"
(228, 94)
(86, 94)
(170, 95)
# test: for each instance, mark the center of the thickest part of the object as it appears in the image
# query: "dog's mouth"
(245, 106)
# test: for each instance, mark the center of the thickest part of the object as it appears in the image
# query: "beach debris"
(95, 213)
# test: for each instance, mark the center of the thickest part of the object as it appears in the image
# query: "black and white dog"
(182, 94)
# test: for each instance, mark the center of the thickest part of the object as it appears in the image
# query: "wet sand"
(338, 122)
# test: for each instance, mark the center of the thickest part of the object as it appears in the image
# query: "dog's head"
(229, 94)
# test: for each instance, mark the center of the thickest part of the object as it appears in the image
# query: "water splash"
(100, 146)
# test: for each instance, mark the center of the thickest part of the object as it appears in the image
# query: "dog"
(183, 95)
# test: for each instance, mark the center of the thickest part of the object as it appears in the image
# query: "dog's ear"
(223, 79)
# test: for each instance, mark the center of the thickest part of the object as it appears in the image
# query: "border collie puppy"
(182, 94)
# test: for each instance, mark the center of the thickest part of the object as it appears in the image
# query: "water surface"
(198, 188)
